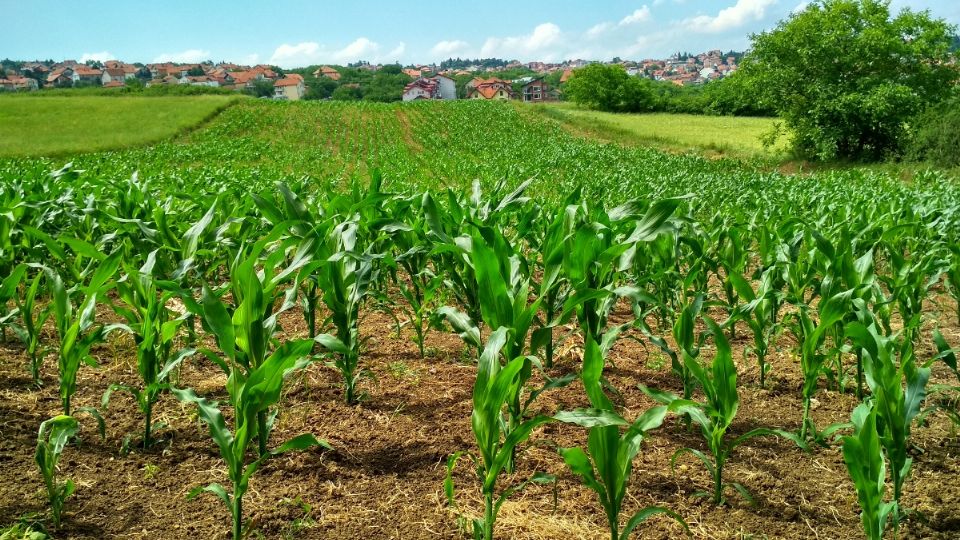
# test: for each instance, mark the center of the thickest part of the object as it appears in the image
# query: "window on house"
(536, 96)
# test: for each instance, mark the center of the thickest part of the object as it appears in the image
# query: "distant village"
(489, 79)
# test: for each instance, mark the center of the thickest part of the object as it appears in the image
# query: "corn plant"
(909, 283)
(244, 329)
(812, 336)
(716, 414)
(504, 291)
(421, 289)
(898, 388)
(8, 293)
(756, 313)
(346, 278)
(76, 327)
(491, 390)
(254, 394)
(31, 322)
(953, 276)
(154, 329)
(606, 468)
(54, 435)
(863, 456)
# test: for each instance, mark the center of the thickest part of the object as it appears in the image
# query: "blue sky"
(298, 32)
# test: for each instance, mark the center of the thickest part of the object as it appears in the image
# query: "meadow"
(733, 136)
(62, 125)
(454, 320)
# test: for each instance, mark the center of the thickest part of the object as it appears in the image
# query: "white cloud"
(188, 56)
(800, 7)
(598, 30)
(638, 16)
(102, 56)
(446, 49)
(737, 15)
(543, 44)
(311, 52)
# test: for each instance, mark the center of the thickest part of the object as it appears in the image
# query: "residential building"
(290, 87)
(328, 72)
(536, 91)
(113, 75)
(492, 88)
(60, 77)
(82, 73)
(437, 87)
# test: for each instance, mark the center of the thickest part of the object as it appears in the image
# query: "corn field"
(456, 320)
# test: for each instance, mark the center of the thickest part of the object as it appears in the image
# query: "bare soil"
(384, 478)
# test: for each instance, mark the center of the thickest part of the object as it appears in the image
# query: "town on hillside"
(481, 79)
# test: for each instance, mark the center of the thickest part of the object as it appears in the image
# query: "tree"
(608, 88)
(347, 92)
(261, 88)
(196, 71)
(846, 77)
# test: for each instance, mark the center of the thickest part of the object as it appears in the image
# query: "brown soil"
(385, 477)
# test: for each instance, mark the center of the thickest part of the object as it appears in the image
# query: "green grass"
(53, 126)
(725, 135)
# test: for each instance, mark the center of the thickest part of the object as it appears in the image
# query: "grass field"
(725, 135)
(45, 126)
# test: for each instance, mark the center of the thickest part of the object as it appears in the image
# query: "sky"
(292, 33)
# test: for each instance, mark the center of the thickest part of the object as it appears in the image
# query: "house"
(6, 85)
(436, 87)
(199, 80)
(328, 72)
(536, 91)
(290, 87)
(114, 84)
(421, 89)
(83, 73)
(492, 88)
(567, 73)
(60, 77)
(415, 73)
(115, 74)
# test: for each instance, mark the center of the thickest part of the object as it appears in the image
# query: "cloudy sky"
(300, 32)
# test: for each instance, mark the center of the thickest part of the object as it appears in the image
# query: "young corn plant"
(54, 435)
(898, 388)
(504, 291)
(422, 287)
(254, 394)
(491, 390)
(716, 414)
(597, 250)
(154, 329)
(244, 329)
(756, 313)
(347, 279)
(863, 456)
(8, 293)
(605, 467)
(76, 327)
(812, 336)
(32, 320)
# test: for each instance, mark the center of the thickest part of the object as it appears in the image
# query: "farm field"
(717, 135)
(464, 274)
(61, 125)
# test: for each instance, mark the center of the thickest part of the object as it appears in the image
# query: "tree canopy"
(847, 77)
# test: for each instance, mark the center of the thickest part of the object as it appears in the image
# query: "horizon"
(294, 33)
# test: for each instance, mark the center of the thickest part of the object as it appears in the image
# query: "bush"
(937, 135)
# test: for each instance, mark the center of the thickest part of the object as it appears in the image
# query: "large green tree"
(609, 88)
(847, 76)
